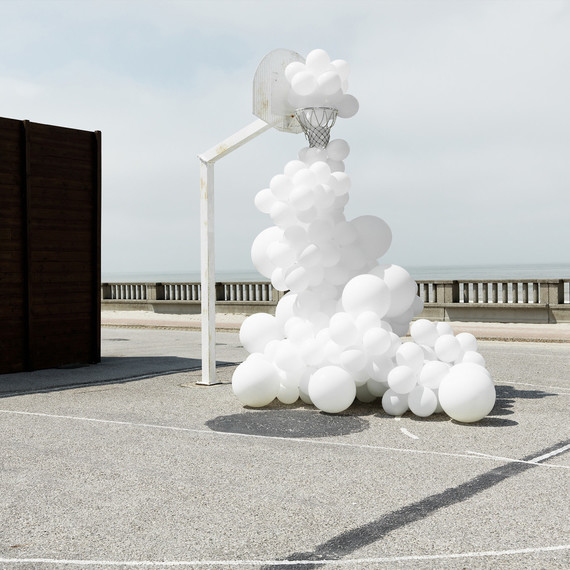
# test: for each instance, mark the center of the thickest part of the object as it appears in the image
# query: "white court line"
(222, 563)
(470, 455)
(406, 432)
(551, 454)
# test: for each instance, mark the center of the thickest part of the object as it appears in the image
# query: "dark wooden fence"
(50, 246)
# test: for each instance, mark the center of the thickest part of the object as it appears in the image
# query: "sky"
(461, 143)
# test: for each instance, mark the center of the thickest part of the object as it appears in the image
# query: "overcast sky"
(462, 141)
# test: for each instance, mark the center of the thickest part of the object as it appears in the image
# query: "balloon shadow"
(289, 423)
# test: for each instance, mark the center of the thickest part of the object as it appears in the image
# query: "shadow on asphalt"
(289, 423)
(111, 370)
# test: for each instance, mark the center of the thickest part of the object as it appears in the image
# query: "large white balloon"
(259, 250)
(347, 106)
(366, 293)
(255, 382)
(467, 394)
(332, 389)
(259, 329)
(374, 235)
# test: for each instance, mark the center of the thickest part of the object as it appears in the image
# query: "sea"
(419, 273)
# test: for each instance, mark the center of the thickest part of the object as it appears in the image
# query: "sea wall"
(502, 301)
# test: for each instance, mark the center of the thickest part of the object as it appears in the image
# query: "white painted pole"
(208, 279)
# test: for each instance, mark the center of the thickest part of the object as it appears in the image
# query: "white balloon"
(424, 332)
(281, 186)
(443, 328)
(422, 401)
(376, 340)
(296, 237)
(320, 231)
(259, 329)
(347, 106)
(304, 83)
(305, 177)
(329, 82)
(293, 68)
(374, 234)
(338, 150)
(288, 357)
(337, 274)
(467, 341)
(432, 373)
(340, 182)
(307, 303)
(264, 200)
(377, 389)
(255, 382)
(379, 368)
(342, 329)
(302, 197)
(259, 250)
(311, 256)
(353, 360)
(278, 279)
(330, 255)
(342, 68)
(324, 196)
(364, 395)
(447, 348)
(281, 254)
(410, 354)
(318, 60)
(467, 394)
(402, 289)
(288, 394)
(402, 379)
(297, 279)
(367, 320)
(322, 171)
(473, 357)
(366, 293)
(344, 233)
(282, 215)
(331, 389)
(284, 309)
(394, 404)
(298, 329)
(293, 166)
(312, 351)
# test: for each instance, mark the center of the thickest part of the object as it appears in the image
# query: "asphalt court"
(152, 470)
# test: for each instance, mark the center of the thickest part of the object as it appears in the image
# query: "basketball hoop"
(317, 123)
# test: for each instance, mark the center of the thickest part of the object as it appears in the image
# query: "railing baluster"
(475, 292)
(515, 292)
(525, 292)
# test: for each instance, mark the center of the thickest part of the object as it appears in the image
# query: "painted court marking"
(467, 454)
(222, 563)
(406, 432)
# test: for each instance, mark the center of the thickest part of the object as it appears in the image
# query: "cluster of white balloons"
(320, 82)
(336, 334)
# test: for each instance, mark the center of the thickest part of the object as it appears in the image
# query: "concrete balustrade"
(512, 300)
